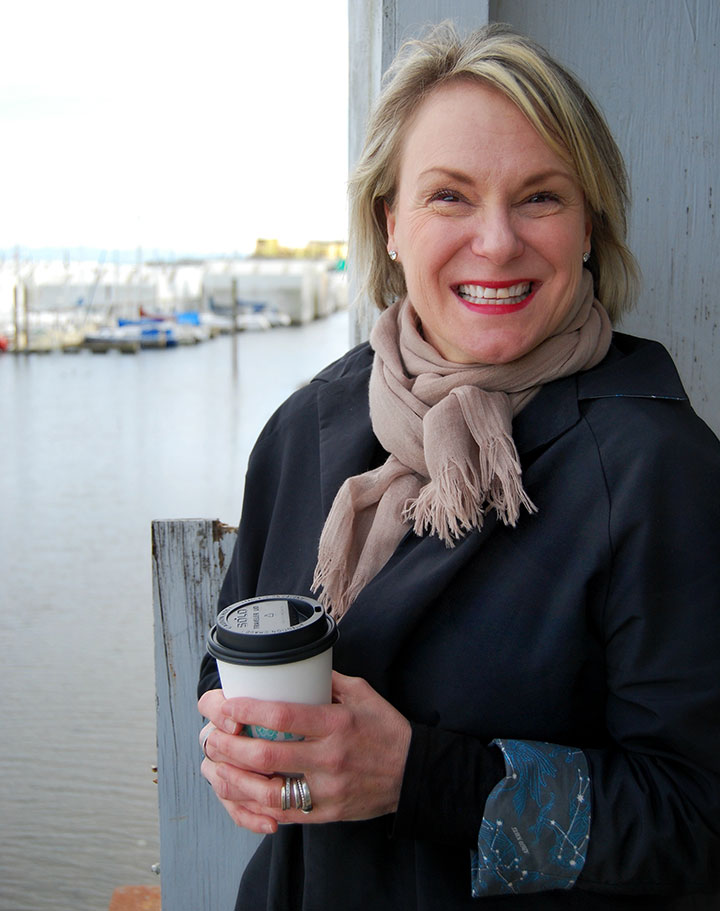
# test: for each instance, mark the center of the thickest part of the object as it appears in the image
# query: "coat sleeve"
(639, 815)
(656, 785)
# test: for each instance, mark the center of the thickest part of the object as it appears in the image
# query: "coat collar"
(634, 367)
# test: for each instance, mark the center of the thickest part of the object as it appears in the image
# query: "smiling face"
(489, 224)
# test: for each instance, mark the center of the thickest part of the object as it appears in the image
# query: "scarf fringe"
(332, 583)
(330, 577)
(456, 501)
(501, 480)
(449, 506)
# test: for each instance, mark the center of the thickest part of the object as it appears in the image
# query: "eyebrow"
(458, 176)
(461, 177)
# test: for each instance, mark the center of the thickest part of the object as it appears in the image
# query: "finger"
(295, 718)
(236, 750)
(263, 798)
(252, 798)
(266, 757)
(242, 814)
(210, 705)
(258, 793)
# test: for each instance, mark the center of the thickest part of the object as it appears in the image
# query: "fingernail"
(230, 726)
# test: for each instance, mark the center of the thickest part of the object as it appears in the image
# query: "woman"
(519, 536)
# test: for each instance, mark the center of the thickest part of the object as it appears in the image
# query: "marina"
(94, 449)
(69, 306)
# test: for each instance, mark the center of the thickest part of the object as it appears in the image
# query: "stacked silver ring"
(204, 737)
(296, 792)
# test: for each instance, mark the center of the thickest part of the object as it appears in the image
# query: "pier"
(136, 898)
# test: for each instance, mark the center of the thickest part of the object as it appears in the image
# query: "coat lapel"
(390, 607)
(347, 442)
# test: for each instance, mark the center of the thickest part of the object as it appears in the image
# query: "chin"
(492, 353)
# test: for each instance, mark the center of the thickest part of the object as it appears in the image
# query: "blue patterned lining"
(535, 831)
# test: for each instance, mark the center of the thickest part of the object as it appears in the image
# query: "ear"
(390, 223)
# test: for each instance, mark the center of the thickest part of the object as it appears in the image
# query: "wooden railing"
(202, 853)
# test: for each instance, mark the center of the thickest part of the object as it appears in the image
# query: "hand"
(210, 706)
(353, 755)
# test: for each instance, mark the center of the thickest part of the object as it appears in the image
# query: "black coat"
(594, 624)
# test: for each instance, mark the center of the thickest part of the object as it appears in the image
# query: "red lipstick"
(495, 307)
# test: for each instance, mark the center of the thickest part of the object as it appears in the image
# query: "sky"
(172, 126)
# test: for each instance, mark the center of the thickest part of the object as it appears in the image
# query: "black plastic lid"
(272, 629)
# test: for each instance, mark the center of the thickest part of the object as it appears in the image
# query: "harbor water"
(93, 448)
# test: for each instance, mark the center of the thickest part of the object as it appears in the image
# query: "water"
(93, 448)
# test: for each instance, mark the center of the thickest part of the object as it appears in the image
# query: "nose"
(495, 236)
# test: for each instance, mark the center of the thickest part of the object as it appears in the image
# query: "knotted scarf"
(448, 429)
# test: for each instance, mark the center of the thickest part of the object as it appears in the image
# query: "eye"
(445, 195)
(544, 197)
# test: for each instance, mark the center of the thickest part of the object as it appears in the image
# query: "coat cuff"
(448, 778)
(536, 829)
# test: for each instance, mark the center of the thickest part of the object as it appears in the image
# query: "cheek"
(430, 244)
(562, 299)
(414, 231)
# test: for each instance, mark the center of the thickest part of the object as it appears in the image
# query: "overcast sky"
(174, 126)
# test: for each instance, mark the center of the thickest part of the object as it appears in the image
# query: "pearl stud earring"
(392, 254)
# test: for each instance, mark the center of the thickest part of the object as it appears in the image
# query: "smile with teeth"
(479, 294)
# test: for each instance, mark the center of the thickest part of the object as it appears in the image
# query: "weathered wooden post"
(201, 852)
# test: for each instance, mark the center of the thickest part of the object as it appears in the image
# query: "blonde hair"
(554, 103)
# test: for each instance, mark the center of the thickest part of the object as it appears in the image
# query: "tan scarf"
(448, 429)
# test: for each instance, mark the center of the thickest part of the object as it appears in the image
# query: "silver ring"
(295, 793)
(203, 740)
(285, 803)
(305, 802)
(297, 797)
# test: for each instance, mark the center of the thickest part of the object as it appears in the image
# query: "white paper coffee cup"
(275, 647)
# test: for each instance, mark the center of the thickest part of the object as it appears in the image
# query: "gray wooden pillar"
(377, 28)
(202, 853)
